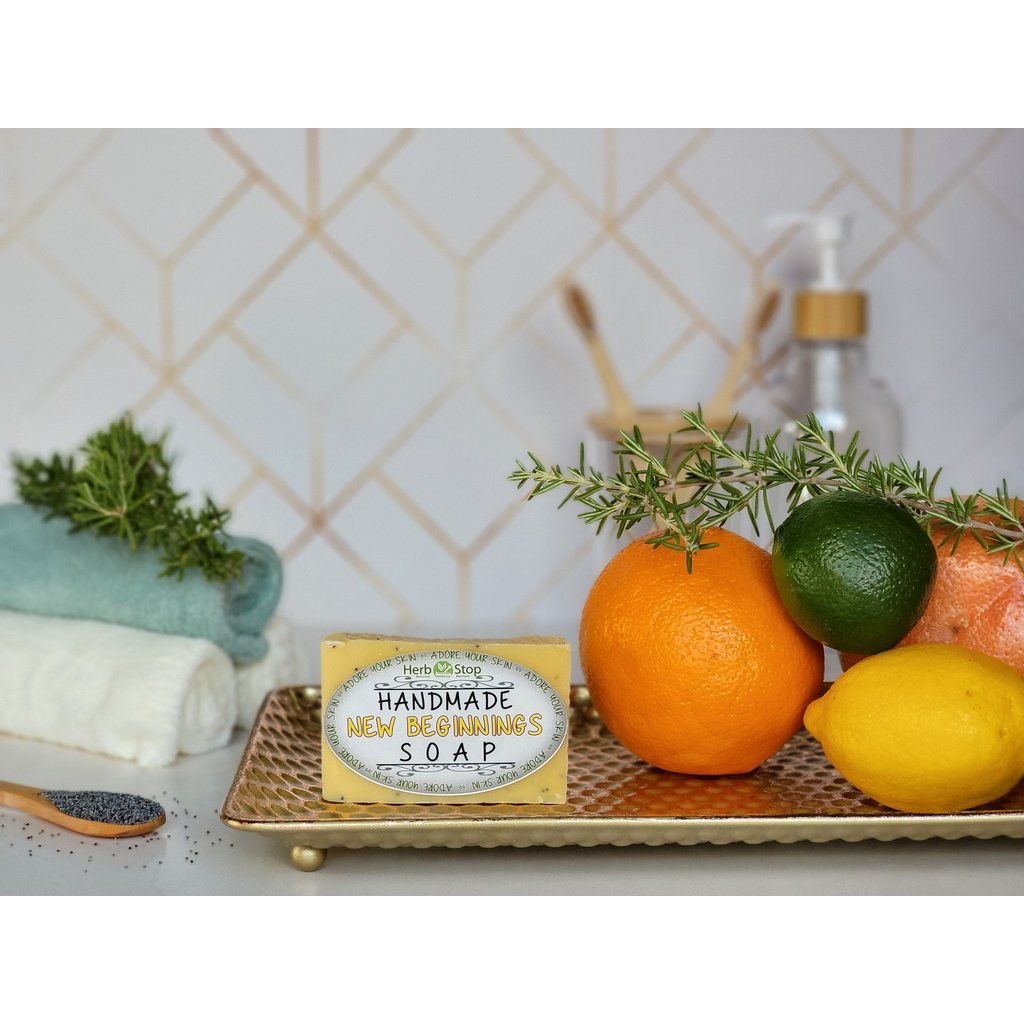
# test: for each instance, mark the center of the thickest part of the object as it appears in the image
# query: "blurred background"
(352, 335)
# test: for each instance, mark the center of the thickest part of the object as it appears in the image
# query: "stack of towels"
(97, 651)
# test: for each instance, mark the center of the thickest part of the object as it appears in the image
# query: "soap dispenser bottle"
(825, 370)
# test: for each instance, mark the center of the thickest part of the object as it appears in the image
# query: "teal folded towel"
(47, 570)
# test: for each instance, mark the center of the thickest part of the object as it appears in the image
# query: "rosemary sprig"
(123, 489)
(714, 480)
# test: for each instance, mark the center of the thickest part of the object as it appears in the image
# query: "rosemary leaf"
(123, 489)
(716, 480)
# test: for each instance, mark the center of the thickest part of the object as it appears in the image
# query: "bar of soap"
(408, 720)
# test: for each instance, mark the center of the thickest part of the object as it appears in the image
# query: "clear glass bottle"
(831, 378)
(826, 368)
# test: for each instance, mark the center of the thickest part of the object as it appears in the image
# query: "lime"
(854, 571)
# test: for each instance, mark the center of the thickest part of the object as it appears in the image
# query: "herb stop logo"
(445, 723)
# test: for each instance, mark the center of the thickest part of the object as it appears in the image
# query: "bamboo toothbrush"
(760, 313)
(620, 405)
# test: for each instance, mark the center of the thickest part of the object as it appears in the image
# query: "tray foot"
(308, 858)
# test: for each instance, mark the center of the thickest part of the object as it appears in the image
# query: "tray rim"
(488, 830)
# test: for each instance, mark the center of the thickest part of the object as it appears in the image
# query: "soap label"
(445, 723)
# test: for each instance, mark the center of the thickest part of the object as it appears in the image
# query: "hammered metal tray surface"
(614, 798)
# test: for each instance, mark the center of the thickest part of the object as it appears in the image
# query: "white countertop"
(195, 853)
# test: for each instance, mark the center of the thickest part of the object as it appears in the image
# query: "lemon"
(854, 571)
(930, 728)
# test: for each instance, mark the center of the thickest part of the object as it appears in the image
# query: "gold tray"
(614, 798)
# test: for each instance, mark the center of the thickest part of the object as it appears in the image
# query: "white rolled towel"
(114, 690)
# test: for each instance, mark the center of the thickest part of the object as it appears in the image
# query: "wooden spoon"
(93, 813)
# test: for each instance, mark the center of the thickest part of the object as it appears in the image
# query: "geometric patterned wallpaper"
(351, 335)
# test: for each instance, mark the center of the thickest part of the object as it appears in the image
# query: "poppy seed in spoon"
(111, 808)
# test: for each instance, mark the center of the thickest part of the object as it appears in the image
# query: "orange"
(977, 602)
(702, 673)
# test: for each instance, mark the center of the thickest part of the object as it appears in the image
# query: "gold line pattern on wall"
(599, 222)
